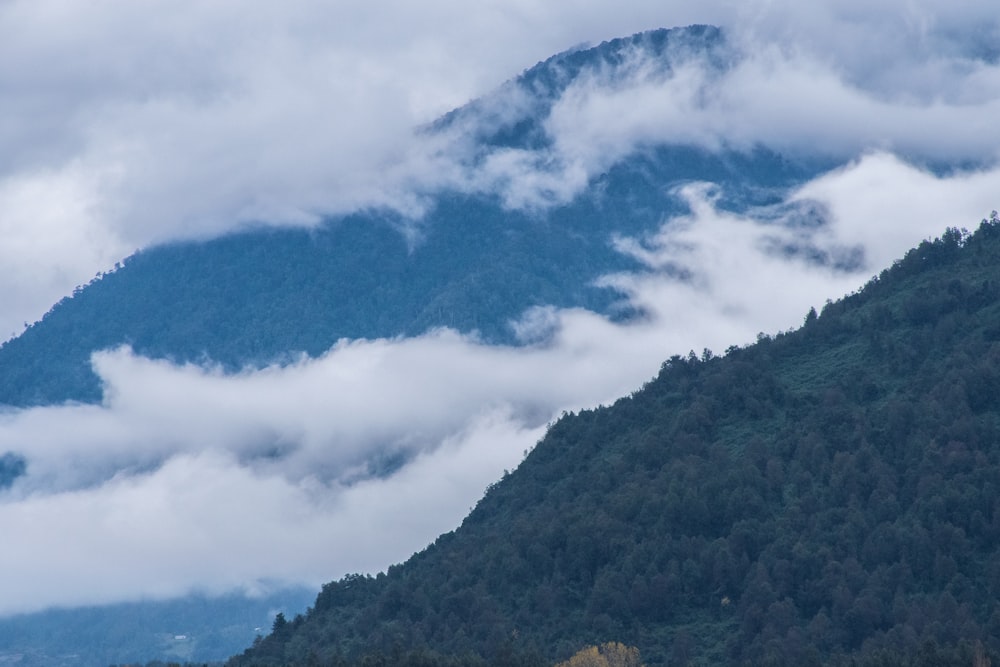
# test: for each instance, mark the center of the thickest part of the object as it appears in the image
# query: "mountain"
(471, 263)
(825, 495)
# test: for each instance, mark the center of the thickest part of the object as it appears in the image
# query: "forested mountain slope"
(472, 263)
(831, 491)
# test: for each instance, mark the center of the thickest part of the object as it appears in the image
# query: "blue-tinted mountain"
(261, 296)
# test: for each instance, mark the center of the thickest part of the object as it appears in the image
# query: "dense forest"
(829, 495)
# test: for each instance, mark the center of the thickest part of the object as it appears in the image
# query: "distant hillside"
(195, 628)
(832, 491)
(471, 264)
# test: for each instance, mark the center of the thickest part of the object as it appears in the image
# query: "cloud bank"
(186, 478)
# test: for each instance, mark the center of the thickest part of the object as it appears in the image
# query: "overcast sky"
(124, 124)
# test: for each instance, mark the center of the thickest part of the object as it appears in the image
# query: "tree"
(610, 654)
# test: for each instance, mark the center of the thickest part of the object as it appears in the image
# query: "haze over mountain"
(352, 459)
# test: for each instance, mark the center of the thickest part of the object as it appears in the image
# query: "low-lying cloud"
(186, 478)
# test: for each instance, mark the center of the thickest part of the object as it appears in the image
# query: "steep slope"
(472, 263)
(829, 491)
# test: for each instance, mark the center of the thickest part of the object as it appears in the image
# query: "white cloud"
(888, 206)
(202, 521)
(794, 104)
(48, 216)
(186, 478)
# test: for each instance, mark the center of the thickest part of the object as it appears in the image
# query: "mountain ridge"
(822, 495)
(255, 298)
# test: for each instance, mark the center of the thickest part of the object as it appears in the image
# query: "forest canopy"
(825, 494)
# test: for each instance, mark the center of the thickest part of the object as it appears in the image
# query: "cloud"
(794, 103)
(887, 205)
(187, 478)
(202, 521)
(53, 238)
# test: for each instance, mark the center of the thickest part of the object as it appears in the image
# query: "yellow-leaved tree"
(611, 654)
